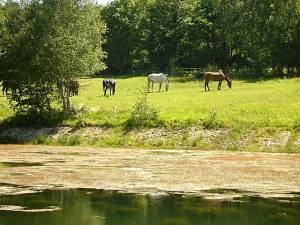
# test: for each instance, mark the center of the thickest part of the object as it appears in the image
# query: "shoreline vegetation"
(253, 116)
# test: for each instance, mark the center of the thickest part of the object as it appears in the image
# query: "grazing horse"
(72, 86)
(158, 78)
(216, 76)
(5, 87)
(109, 84)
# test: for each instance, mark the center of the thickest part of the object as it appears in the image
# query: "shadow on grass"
(51, 119)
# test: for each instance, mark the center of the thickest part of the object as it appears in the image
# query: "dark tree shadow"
(51, 119)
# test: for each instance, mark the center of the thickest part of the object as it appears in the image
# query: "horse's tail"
(114, 87)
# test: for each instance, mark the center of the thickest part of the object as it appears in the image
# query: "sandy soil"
(149, 171)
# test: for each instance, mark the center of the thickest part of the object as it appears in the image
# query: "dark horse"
(5, 86)
(216, 76)
(72, 86)
(109, 84)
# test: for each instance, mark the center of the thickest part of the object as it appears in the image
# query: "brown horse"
(216, 76)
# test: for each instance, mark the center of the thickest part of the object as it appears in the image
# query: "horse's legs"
(219, 85)
(114, 89)
(104, 90)
(149, 82)
(152, 85)
(160, 84)
(206, 86)
(5, 90)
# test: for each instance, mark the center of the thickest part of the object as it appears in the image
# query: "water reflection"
(17, 164)
(90, 207)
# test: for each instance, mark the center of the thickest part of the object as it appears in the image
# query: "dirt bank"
(276, 140)
(147, 171)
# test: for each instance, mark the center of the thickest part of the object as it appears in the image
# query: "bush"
(143, 113)
(69, 140)
(211, 122)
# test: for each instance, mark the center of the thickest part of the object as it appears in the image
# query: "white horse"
(158, 78)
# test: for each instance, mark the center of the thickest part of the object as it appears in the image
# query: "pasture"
(274, 103)
(271, 103)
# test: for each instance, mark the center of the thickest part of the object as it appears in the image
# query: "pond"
(94, 207)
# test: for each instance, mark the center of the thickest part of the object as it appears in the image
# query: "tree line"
(260, 36)
(44, 44)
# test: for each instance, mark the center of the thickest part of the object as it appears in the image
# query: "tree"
(124, 33)
(163, 32)
(199, 46)
(72, 39)
(62, 41)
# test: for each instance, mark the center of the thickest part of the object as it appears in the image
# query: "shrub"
(69, 140)
(143, 113)
(211, 122)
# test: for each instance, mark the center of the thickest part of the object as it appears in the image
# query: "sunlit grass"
(273, 103)
(5, 110)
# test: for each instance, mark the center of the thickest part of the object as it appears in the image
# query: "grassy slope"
(269, 107)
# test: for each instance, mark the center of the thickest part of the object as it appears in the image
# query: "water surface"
(93, 207)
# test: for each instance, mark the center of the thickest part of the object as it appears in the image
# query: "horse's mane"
(223, 73)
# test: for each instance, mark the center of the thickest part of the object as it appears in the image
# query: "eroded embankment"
(148, 171)
(263, 139)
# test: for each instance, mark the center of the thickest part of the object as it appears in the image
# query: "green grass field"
(272, 103)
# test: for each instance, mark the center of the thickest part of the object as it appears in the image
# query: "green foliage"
(69, 140)
(143, 113)
(123, 19)
(211, 122)
(40, 140)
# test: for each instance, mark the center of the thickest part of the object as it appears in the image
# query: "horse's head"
(229, 83)
(165, 77)
(227, 78)
(167, 86)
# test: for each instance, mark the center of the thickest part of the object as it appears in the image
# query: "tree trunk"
(68, 100)
(65, 95)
